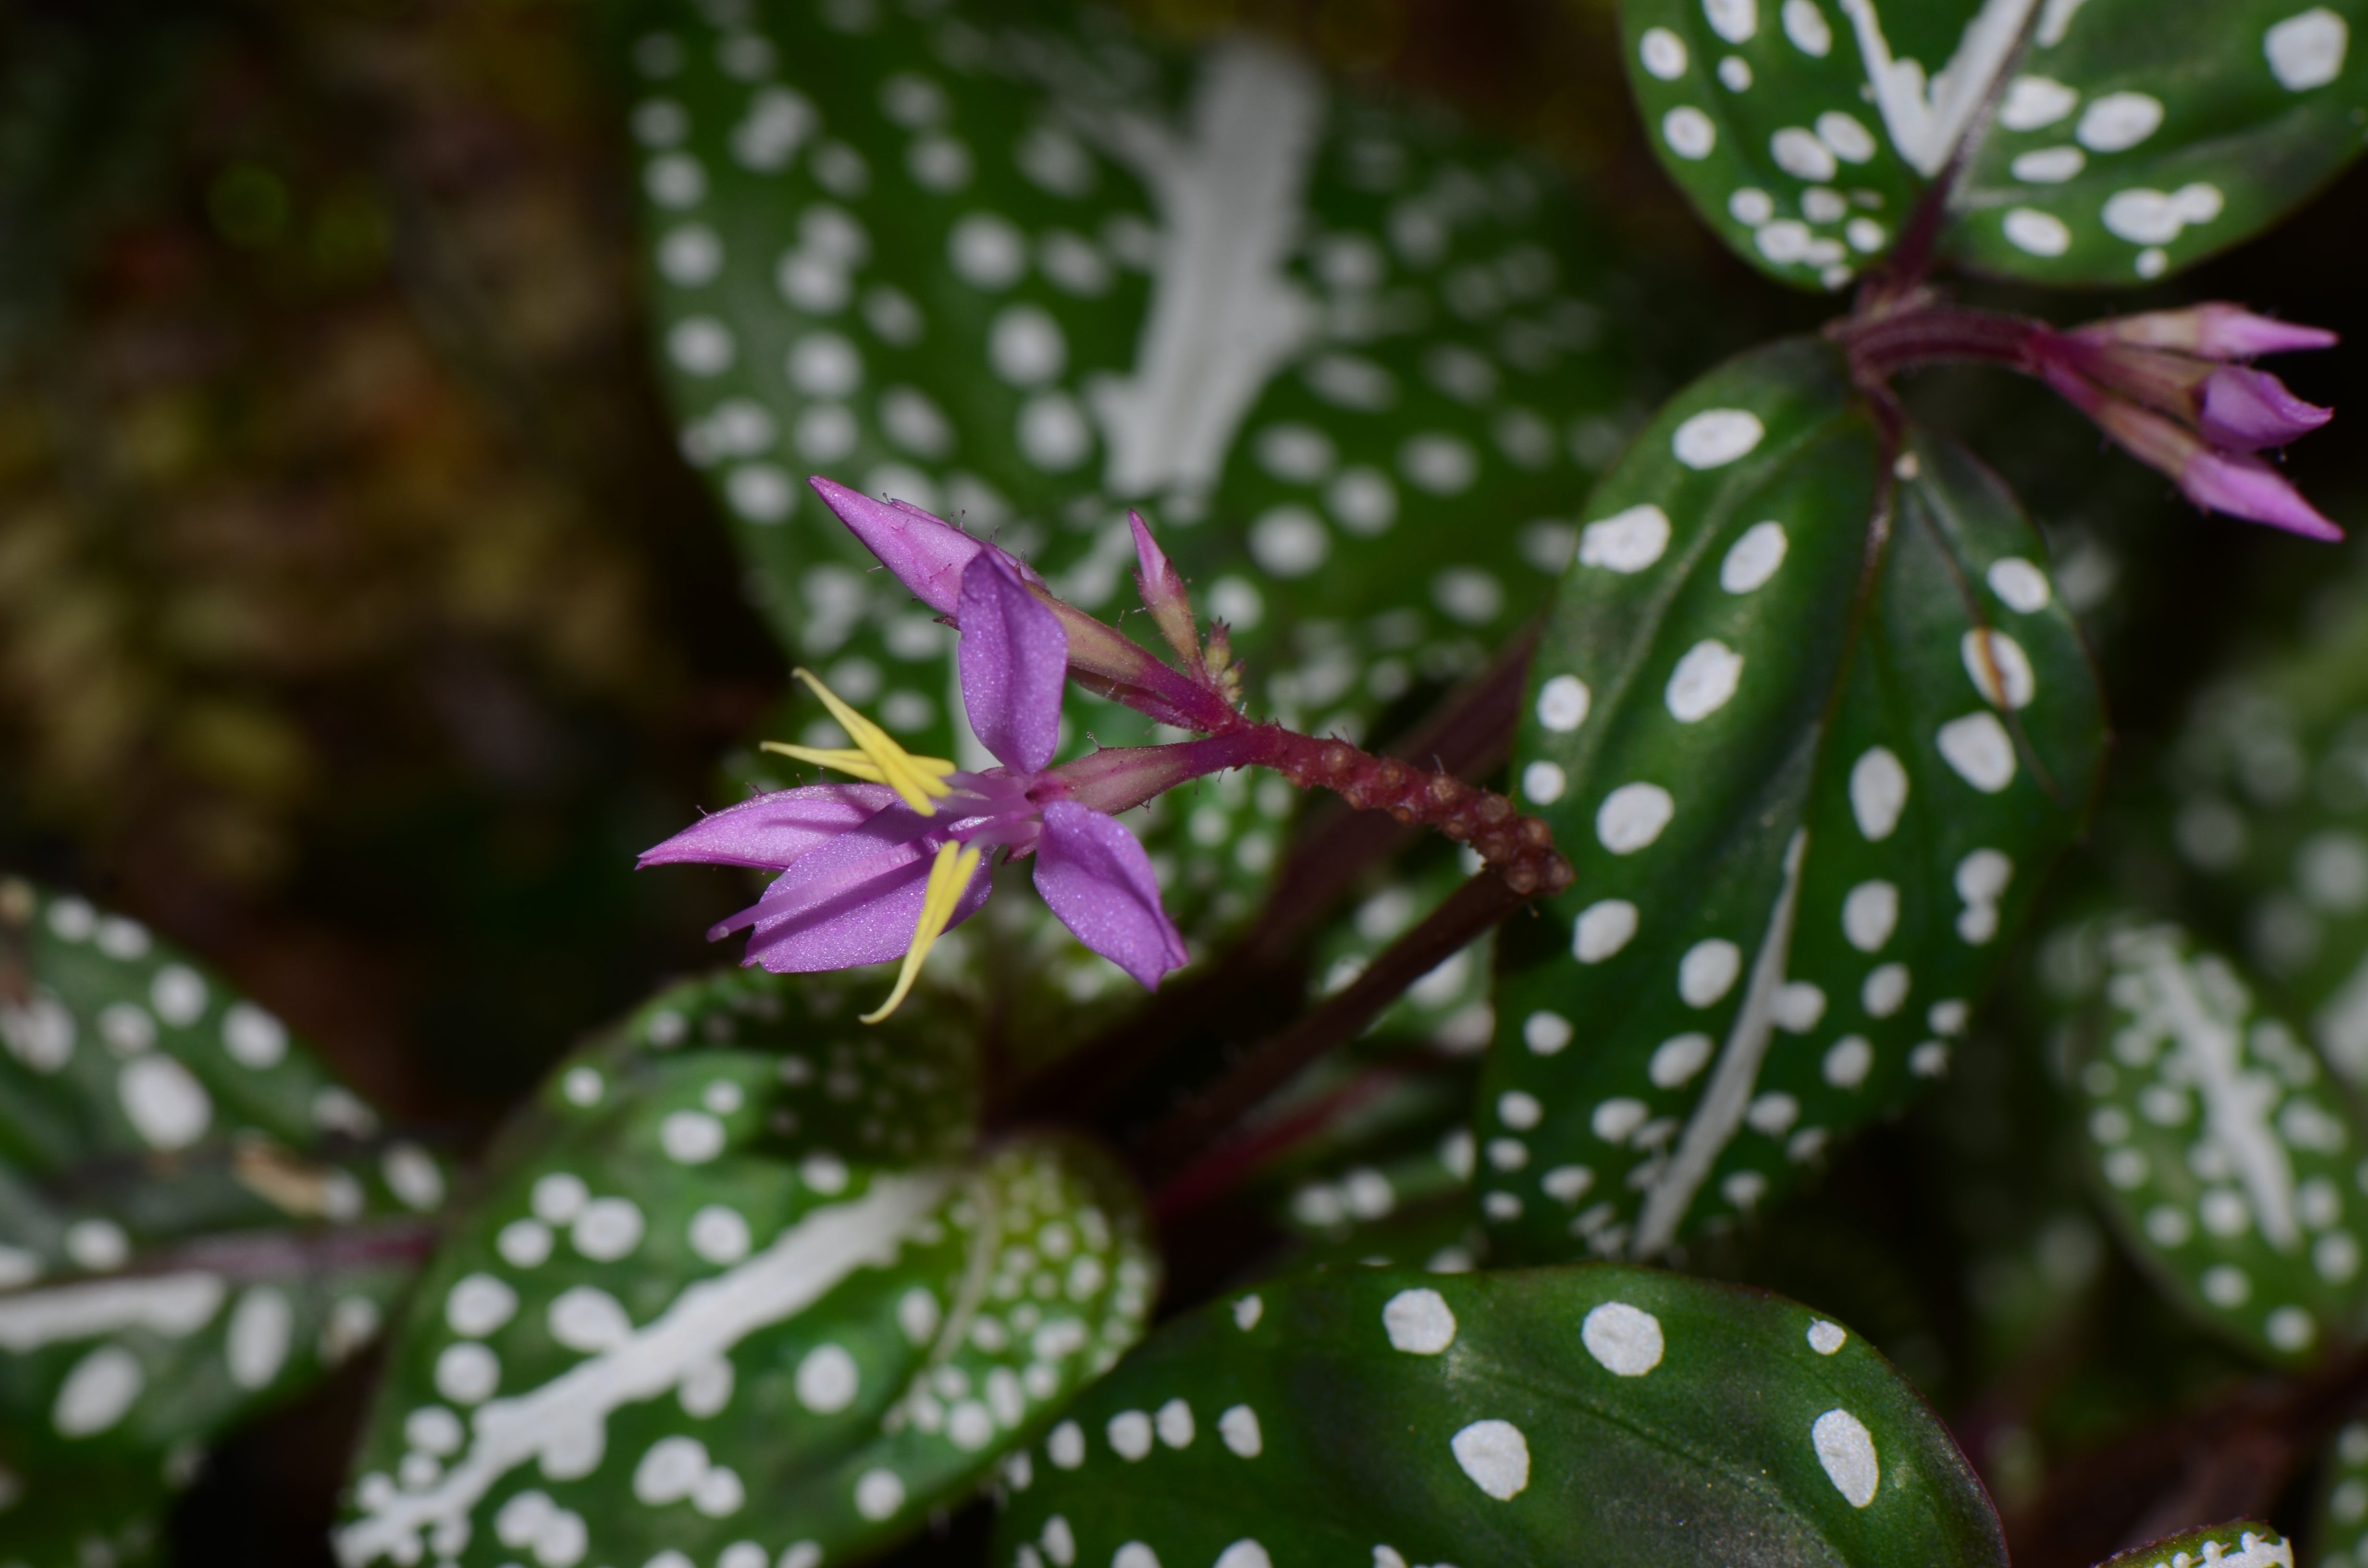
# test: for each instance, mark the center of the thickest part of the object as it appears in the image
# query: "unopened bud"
(1165, 597)
(2211, 331)
(2247, 410)
(2246, 487)
(926, 553)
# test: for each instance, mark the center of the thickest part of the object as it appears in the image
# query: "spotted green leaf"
(2241, 1543)
(2341, 1536)
(1766, 117)
(2267, 781)
(2224, 1150)
(2093, 141)
(741, 1287)
(2136, 138)
(1490, 1420)
(1810, 726)
(1023, 267)
(196, 1221)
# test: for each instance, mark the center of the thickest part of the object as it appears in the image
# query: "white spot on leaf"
(1602, 929)
(1494, 1455)
(1716, 437)
(1624, 1340)
(1419, 1322)
(1845, 1448)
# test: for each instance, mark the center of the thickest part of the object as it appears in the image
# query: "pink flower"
(883, 867)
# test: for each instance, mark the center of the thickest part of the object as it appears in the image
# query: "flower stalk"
(921, 550)
(881, 867)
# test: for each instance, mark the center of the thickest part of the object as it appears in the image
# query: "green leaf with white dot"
(2241, 1543)
(2266, 781)
(1801, 129)
(2342, 1511)
(1374, 1415)
(740, 1286)
(2224, 1150)
(1810, 729)
(2099, 140)
(1026, 269)
(2134, 138)
(196, 1221)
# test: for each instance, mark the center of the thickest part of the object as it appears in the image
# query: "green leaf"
(1767, 118)
(2342, 1511)
(2241, 1543)
(2266, 780)
(2223, 1150)
(1028, 273)
(1811, 730)
(1593, 1415)
(2102, 140)
(198, 1222)
(740, 1288)
(2138, 138)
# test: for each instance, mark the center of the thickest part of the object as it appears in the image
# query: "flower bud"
(926, 553)
(2210, 331)
(1165, 597)
(2235, 482)
(2247, 410)
(2246, 487)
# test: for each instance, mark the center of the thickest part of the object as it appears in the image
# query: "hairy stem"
(1469, 736)
(1255, 980)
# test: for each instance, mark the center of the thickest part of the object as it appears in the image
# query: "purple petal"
(775, 829)
(856, 902)
(1097, 879)
(2251, 409)
(926, 553)
(2248, 487)
(1014, 660)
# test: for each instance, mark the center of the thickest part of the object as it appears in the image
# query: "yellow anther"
(875, 758)
(948, 877)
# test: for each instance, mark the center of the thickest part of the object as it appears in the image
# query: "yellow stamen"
(854, 763)
(948, 877)
(876, 758)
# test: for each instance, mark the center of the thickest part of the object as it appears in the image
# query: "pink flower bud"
(2234, 483)
(2210, 331)
(2247, 410)
(927, 554)
(2246, 487)
(1165, 597)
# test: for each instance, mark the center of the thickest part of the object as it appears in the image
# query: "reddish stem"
(1474, 908)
